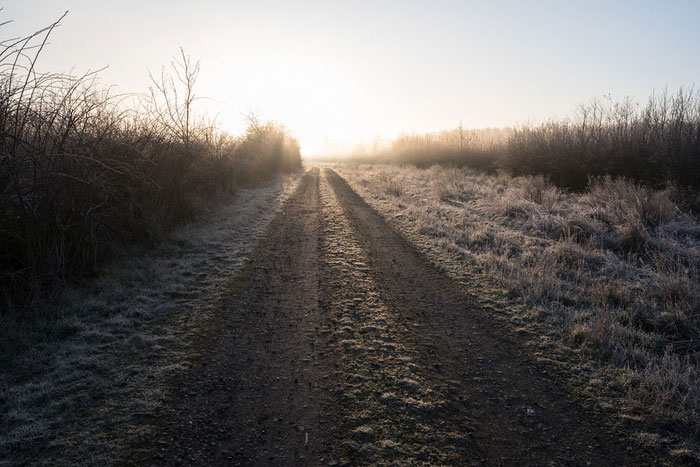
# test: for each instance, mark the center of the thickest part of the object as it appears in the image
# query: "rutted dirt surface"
(339, 344)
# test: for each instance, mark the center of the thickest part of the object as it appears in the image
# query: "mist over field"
(378, 233)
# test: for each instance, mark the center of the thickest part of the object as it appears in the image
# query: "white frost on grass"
(610, 276)
(81, 383)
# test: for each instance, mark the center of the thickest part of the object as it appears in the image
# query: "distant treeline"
(83, 171)
(656, 143)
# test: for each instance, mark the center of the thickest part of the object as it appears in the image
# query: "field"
(604, 283)
(180, 289)
(376, 314)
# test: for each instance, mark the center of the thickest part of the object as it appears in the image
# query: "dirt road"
(339, 344)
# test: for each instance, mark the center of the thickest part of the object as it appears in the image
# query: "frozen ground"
(604, 284)
(77, 380)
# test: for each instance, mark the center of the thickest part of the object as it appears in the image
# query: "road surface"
(339, 344)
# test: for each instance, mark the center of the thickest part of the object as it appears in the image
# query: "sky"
(337, 73)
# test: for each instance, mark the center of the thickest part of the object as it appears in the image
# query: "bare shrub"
(654, 144)
(266, 148)
(84, 171)
(479, 149)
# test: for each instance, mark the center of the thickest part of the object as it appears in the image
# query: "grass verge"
(603, 283)
(83, 373)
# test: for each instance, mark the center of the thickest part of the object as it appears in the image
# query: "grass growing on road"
(610, 275)
(386, 402)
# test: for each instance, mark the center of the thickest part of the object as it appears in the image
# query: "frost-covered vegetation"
(656, 143)
(480, 149)
(84, 172)
(612, 274)
(80, 384)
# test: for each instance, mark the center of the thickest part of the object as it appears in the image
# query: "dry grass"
(609, 276)
(83, 373)
(654, 143)
(84, 172)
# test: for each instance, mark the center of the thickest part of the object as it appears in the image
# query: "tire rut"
(392, 413)
(339, 344)
(517, 411)
(255, 395)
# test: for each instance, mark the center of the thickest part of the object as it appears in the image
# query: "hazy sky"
(347, 71)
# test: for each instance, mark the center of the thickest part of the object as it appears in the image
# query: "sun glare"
(375, 232)
(309, 98)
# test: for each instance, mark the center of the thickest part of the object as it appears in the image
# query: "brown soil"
(339, 344)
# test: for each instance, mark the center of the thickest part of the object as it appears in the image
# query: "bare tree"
(172, 96)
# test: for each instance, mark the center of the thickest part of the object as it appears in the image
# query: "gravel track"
(339, 344)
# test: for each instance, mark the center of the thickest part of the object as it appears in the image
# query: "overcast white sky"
(341, 72)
